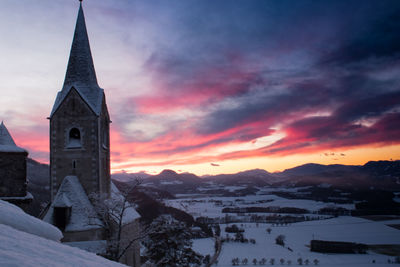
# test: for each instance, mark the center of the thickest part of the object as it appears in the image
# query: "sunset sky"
(214, 86)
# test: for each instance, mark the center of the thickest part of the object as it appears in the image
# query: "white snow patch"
(22, 249)
(15, 217)
(204, 246)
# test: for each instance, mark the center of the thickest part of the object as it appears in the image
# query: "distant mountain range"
(378, 174)
(374, 174)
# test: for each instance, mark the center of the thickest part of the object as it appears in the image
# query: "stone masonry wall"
(13, 174)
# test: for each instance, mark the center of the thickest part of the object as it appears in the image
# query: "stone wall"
(132, 255)
(88, 235)
(13, 174)
(83, 161)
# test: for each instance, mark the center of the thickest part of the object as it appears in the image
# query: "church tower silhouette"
(80, 122)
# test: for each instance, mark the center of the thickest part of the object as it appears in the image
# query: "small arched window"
(74, 139)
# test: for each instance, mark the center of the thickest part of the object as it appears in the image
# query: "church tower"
(80, 123)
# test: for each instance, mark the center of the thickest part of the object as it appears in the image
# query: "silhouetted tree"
(169, 244)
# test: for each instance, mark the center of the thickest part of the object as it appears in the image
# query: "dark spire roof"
(7, 143)
(80, 73)
(80, 65)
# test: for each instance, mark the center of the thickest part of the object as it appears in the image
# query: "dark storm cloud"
(368, 107)
(379, 38)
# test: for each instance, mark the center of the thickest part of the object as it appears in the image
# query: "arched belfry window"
(74, 138)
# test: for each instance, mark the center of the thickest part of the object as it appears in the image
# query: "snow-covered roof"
(7, 143)
(27, 197)
(130, 214)
(15, 217)
(22, 249)
(81, 74)
(83, 215)
(62, 201)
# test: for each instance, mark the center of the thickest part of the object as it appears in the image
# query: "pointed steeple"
(80, 68)
(7, 143)
(80, 73)
(5, 137)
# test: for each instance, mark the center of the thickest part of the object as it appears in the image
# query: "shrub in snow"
(306, 262)
(289, 262)
(234, 229)
(280, 240)
(269, 230)
(235, 261)
(272, 261)
(300, 261)
(282, 261)
(263, 261)
(316, 262)
(255, 261)
(206, 259)
(239, 237)
(245, 261)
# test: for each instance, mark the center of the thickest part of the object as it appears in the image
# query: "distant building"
(337, 247)
(13, 181)
(80, 153)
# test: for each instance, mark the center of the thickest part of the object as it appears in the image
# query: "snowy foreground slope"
(27, 241)
(15, 217)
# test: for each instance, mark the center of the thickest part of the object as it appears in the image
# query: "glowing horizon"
(191, 88)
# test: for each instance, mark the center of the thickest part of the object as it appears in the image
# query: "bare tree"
(119, 220)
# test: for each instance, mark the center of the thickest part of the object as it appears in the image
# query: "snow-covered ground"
(298, 236)
(204, 246)
(212, 206)
(29, 242)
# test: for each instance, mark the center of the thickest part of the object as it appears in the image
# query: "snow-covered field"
(298, 236)
(212, 206)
